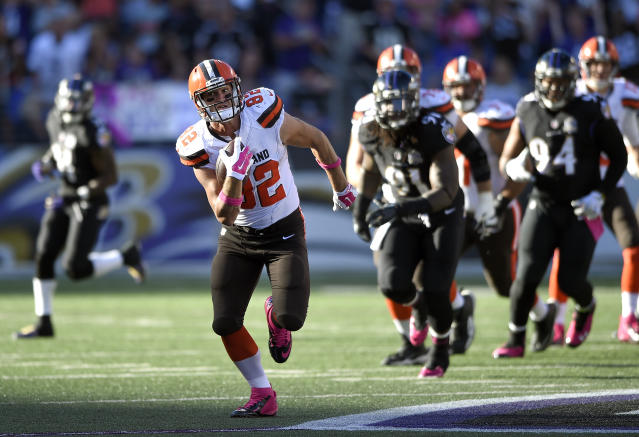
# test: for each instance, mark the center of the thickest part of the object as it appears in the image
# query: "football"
(220, 168)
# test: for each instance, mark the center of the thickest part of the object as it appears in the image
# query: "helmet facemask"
(469, 97)
(598, 84)
(220, 100)
(74, 99)
(555, 79)
(396, 99)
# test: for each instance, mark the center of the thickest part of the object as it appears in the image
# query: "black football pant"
(73, 227)
(405, 245)
(543, 229)
(242, 253)
(620, 218)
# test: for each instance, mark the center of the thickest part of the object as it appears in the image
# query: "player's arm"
(103, 161)
(608, 136)
(469, 146)
(629, 126)
(514, 162)
(368, 182)
(298, 133)
(224, 212)
(354, 157)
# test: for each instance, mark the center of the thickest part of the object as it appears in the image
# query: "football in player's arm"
(562, 137)
(258, 206)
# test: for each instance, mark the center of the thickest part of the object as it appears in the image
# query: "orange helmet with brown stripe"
(464, 80)
(399, 57)
(215, 89)
(599, 62)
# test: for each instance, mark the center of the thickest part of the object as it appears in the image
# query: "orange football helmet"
(399, 57)
(215, 89)
(464, 80)
(598, 49)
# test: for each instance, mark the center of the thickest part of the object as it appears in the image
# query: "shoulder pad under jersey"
(263, 105)
(629, 93)
(435, 100)
(364, 108)
(190, 147)
(495, 114)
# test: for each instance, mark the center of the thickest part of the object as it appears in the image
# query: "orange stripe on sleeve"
(495, 124)
(267, 117)
(194, 161)
(443, 109)
(632, 103)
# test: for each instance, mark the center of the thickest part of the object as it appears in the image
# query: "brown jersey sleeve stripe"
(196, 160)
(632, 103)
(495, 124)
(271, 114)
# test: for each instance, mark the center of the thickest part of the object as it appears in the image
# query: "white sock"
(43, 290)
(458, 302)
(105, 262)
(514, 328)
(561, 313)
(438, 335)
(252, 370)
(628, 303)
(402, 326)
(538, 311)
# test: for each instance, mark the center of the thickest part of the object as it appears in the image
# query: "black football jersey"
(71, 145)
(404, 157)
(565, 146)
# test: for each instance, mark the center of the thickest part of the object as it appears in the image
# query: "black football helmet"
(74, 98)
(396, 99)
(556, 75)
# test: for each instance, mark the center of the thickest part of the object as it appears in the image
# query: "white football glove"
(486, 219)
(238, 164)
(589, 206)
(516, 167)
(632, 167)
(345, 198)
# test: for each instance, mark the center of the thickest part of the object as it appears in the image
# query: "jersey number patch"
(267, 175)
(540, 151)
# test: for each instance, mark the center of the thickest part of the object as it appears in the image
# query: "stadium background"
(319, 55)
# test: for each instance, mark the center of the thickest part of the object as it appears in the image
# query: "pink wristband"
(233, 201)
(329, 166)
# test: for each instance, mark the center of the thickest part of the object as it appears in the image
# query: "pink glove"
(344, 199)
(238, 163)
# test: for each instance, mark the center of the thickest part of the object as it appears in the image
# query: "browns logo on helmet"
(598, 50)
(215, 89)
(464, 80)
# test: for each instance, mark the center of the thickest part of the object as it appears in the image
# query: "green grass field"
(144, 360)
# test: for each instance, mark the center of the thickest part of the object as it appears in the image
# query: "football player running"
(599, 63)
(464, 80)
(80, 155)
(420, 218)
(399, 57)
(258, 206)
(561, 136)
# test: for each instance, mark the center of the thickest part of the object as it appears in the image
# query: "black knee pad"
(224, 326)
(77, 269)
(44, 266)
(290, 322)
(403, 296)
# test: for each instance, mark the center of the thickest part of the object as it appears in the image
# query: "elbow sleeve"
(472, 150)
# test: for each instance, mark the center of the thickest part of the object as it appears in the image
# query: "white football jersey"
(488, 115)
(269, 192)
(623, 102)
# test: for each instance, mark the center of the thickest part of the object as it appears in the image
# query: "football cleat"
(628, 330)
(263, 402)
(437, 361)
(558, 334)
(407, 355)
(34, 331)
(418, 325)
(543, 335)
(463, 327)
(279, 339)
(132, 258)
(509, 350)
(580, 326)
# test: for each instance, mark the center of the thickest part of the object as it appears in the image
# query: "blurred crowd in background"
(319, 55)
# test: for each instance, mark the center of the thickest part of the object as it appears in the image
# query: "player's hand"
(361, 228)
(382, 215)
(589, 206)
(486, 220)
(238, 164)
(516, 167)
(345, 198)
(633, 168)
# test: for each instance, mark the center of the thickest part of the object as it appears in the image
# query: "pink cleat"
(579, 327)
(438, 359)
(417, 336)
(263, 402)
(279, 339)
(628, 330)
(509, 351)
(558, 337)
